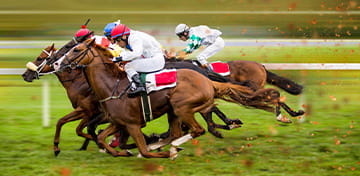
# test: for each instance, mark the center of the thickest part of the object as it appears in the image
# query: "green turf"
(327, 143)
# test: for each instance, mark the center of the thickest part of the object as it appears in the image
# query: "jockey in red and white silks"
(143, 51)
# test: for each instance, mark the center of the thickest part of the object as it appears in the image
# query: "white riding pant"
(211, 50)
(151, 64)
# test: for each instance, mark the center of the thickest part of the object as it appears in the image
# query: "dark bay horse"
(193, 93)
(85, 104)
(79, 93)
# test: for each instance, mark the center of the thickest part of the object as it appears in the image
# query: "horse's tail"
(283, 83)
(260, 99)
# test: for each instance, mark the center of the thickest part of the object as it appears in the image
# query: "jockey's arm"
(137, 50)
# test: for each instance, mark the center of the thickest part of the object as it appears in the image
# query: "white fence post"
(45, 103)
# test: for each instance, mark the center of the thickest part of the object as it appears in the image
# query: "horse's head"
(39, 65)
(67, 47)
(78, 56)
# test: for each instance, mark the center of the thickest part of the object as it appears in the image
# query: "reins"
(76, 65)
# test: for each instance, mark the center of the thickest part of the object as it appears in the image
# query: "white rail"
(270, 66)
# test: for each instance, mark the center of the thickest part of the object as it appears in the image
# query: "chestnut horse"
(193, 93)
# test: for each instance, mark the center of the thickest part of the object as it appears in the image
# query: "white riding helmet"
(181, 28)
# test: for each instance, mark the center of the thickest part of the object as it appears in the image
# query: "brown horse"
(193, 93)
(79, 93)
(247, 73)
(85, 104)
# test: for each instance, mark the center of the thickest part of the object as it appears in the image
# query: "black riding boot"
(140, 88)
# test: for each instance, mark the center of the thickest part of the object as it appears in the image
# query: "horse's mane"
(104, 50)
(107, 61)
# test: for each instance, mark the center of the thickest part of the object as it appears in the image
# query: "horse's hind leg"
(196, 130)
(290, 111)
(211, 124)
(226, 120)
(173, 132)
(72, 116)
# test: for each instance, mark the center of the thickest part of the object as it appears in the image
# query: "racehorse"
(85, 104)
(248, 73)
(193, 93)
(81, 97)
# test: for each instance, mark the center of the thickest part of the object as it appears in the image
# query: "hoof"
(173, 152)
(232, 126)
(56, 152)
(301, 112)
(236, 121)
(129, 153)
(178, 149)
(284, 120)
(102, 150)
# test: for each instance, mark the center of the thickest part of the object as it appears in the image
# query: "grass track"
(326, 144)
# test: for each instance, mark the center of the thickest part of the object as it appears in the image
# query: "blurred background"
(265, 31)
(26, 26)
(58, 19)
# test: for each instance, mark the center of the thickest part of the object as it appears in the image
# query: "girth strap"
(145, 101)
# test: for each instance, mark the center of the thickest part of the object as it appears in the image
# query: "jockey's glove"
(117, 59)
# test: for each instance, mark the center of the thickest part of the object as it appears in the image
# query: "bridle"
(75, 65)
(38, 68)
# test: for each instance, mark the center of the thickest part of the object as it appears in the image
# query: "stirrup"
(136, 92)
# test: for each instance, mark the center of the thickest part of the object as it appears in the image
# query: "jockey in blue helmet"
(109, 27)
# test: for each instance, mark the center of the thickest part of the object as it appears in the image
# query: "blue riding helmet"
(108, 28)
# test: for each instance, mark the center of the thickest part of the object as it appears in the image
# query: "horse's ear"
(52, 46)
(92, 42)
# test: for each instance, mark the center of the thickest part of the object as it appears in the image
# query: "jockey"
(82, 32)
(109, 27)
(105, 40)
(200, 36)
(144, 54)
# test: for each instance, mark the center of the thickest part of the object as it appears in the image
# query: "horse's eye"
(76, 50)
(39, 59)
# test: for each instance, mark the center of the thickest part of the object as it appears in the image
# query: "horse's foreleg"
(79, 132)
(111, 129)
(72, 116)
(93, 123)
(135, 132)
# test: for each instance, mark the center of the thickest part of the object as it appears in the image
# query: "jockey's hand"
(181, 55)
(207, 66)
(168, 55)
(117, 59)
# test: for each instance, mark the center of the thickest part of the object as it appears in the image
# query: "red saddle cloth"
(220, 68)
(160, 80)
(165, 78)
